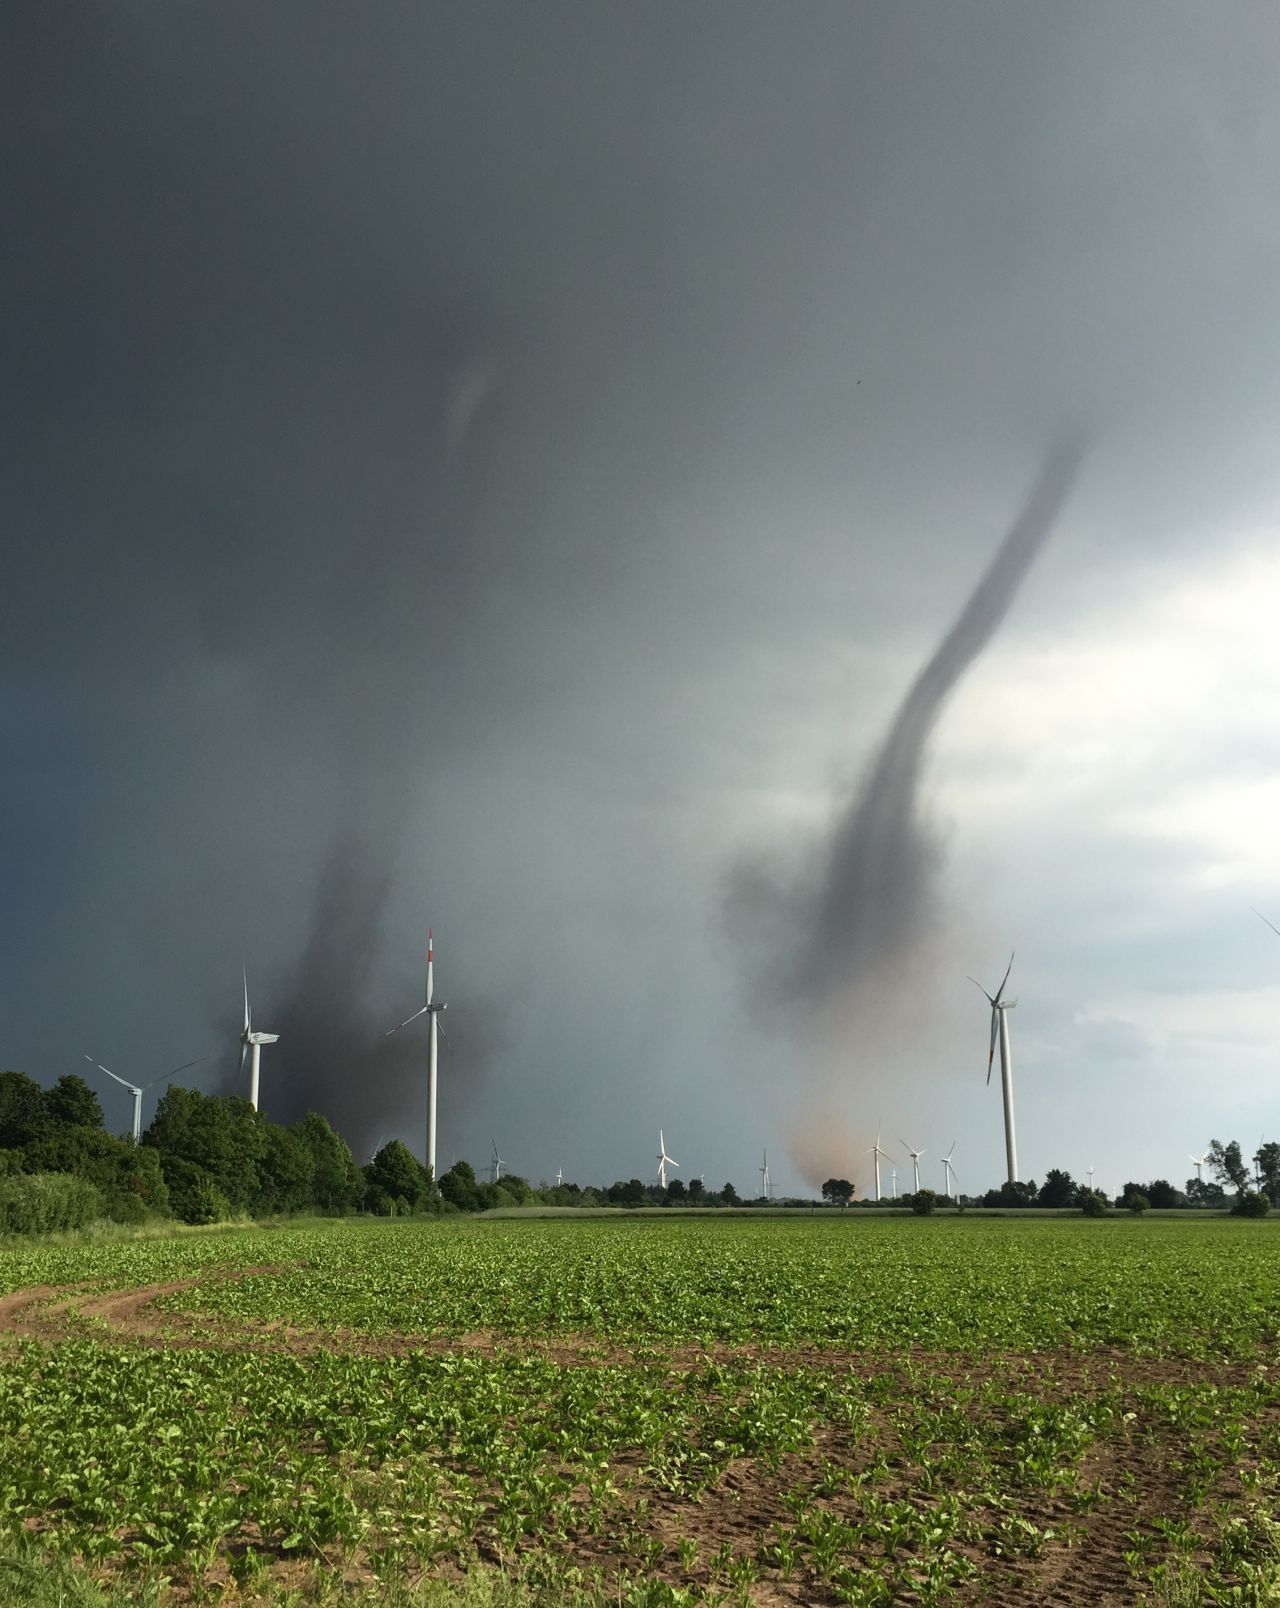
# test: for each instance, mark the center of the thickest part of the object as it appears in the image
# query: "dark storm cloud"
(437, 440)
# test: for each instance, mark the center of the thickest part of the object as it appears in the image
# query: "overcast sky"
(502, 467)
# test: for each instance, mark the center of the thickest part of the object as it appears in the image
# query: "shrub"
(1092, 1204)
(206, 1204)
(1136, 1201)
(923, 1202)
(46, 1203)
(1253, 1203)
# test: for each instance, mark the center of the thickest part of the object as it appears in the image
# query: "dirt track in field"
(131, 1316)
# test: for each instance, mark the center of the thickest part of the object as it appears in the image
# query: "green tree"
(224, 1138)
(1203, 1193)
(837, 1191)
(729, 1195)
(22, 1110)
(1016, 1193)
(1227, 1165)
(1133, 1199)
(72, 1103)
(1058, 1189)
(697, 1191)
(286, 1173)
(1267, 1162)
(1092, 1204)
(1252, 1203)
(336, 1182)
(923, 1202)
(395, 1172)
(458, 1186)
(677, 1194)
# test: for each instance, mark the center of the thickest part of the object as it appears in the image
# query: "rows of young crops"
(949, 1460)
(1200, 1289)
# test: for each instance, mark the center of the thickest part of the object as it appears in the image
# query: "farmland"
(658, 1410)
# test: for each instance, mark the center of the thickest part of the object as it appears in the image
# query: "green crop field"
(772, 1410)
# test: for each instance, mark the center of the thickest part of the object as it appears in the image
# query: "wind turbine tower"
(876, 1153)
(138, 1091)
(664, 1161)
(1000, 1008)
(431, 1010)
(947, 1170)
(766, 1189)
(496, 1163)
(893, 1182)
(251, 1044)
(915, 1162)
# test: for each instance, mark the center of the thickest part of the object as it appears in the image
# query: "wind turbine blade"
(980, 989)
(995, 1028)
(244, 1052)
(442, 1033)
(1270, 924)
(121, 1081)
(247, 1018)
(952, 1150)
(1004, 979)
(199, 1061)
(406, 1021)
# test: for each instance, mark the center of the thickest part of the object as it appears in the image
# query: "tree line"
(211, 1158)
(1232, 1186)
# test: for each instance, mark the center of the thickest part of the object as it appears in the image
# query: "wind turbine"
(138, 1091)
(1000, 1027)
(431, 1012)
(893, 1182)
(251, 1041)
(764, 1175)
(1198, 1163)
(559, 1177)
(496, 1163)
(1091, 1173)
(664, 1161)
(876, 1152)
(915, 1161)
(947, 1170)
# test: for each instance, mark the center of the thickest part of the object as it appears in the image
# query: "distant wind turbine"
(876, 1152)
(137, 1091)
(1091, 1172)
(947, 1170)
(496, 1163)
(559, 1177)
(893, 1182)
(915, 1161)
(432, 1012)
(251, 1043)
(1198, 1163)
(764, 1177)
(1000, 1028)
(664, 1161)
